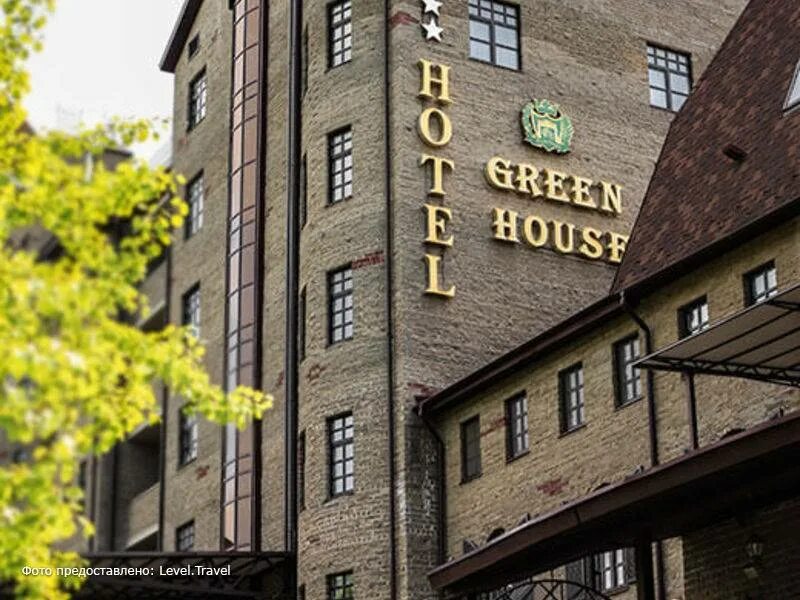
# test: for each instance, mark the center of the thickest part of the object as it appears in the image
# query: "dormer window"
(794, 91)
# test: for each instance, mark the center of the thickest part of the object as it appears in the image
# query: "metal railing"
(543, 589)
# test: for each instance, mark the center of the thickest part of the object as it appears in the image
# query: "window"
(572, 403)
(340, 165)
(195, 193)
(303, 193)
(187, 425)
(191, 310)
(517, 442)
(340, 33)
(184, 537)
(301, 326)
(340, 305)
(341, 452)
(760, 284)
(628, 379)
(606, 572)
(693, 317)
(670, 77)
(301, 470)
(198, 95)
(794, 90)
(194, 45)
(301, 592)
(471, 449)
(340, 586)
(494, 33)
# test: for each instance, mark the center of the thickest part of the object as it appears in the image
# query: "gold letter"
(526, 180)
(612, 198)
(591, 247)
(616, 246)
(499, 166)
(432, 264)
(505, 225)
(554, 185)
(581, 194)
(558, 238)
(443, 80)
(437, 221)
(535, 240)
(445, 128)
(438, 172)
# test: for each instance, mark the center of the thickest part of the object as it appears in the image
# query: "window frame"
(180, 532)
(668, 91)
(192, 118)
(564, 400)
(512, 418)
(749, 278)
(187, 309)
(618, 569)
(788, 104)
(193, 47)
(332, 297)
(620, 377)
(491, 23)
(466, 475)
(342, 155)
(343, 443)
(187, 438)
(331, 41)
(346, 588)
(189, 227)
(683, 330)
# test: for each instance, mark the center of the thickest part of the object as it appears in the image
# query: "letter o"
(535, 240)
(445, 127)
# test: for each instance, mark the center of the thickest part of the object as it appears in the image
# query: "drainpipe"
(162, 458)
(692, 408)
(652, 428)
(389, 294)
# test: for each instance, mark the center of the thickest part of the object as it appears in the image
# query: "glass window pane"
(658, 98)
(480, 51)
(479, 30)
(505, 36)
(507, 58)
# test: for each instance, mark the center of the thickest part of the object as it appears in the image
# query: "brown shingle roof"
(700, 193)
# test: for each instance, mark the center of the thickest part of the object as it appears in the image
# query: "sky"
(100, 60)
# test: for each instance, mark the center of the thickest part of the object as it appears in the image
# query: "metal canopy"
(253, 575)
(761, 342)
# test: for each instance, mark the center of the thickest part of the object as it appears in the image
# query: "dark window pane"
(340, 305)
(761, 284)
(341, 454)
(470, 449)
(517, 442)
(184, 537)
(628, 379)
(572, 400)
(693, 317)
(340, 165)
(198, 92)
(340, 33)
(340, 586)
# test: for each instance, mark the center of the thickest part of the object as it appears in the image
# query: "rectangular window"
(341, 452)
(670, 76)
(188, 438)
(572, 401)
(303, 192)
(340, 586)
(340, 165)
(517, 442)
(340, 305)
(693, 318)
(184, 537)
(301, 470)
(471, 448)
(191, 310)
(494, 33)
(615, 569)
(194, 45)
(760, 284)
(340, 33)
(628, 379)
(198, 97)
(195, 193)
(301, 325)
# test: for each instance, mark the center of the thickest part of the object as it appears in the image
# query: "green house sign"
(546, 127)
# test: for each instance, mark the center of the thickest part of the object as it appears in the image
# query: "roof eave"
(179, 35)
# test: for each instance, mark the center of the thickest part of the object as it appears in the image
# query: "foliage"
(75, 377)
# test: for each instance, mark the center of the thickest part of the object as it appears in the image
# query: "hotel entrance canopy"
(761, 342)
(742, 472)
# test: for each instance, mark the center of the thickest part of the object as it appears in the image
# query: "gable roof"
(732, 156)
(177, 40)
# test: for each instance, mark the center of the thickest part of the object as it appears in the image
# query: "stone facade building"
(387, 196)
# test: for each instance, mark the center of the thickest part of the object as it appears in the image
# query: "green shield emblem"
(546, 127)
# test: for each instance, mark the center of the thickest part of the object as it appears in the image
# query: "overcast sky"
(100, 60)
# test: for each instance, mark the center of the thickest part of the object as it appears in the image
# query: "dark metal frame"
(512, 418)
(685, 310)
(343, 443)
(192, 119)
(667, 71)
(748, 279)
(180, 533)
(346, 133)
(543, 589)
(465, 476)
(620, 380)
(332, 40)
(332, 297)
(492, 41)
(332, 588)
(564, 397)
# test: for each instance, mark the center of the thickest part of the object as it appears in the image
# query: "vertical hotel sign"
(435, 129)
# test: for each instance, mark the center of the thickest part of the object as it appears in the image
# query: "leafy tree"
(75, 378)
